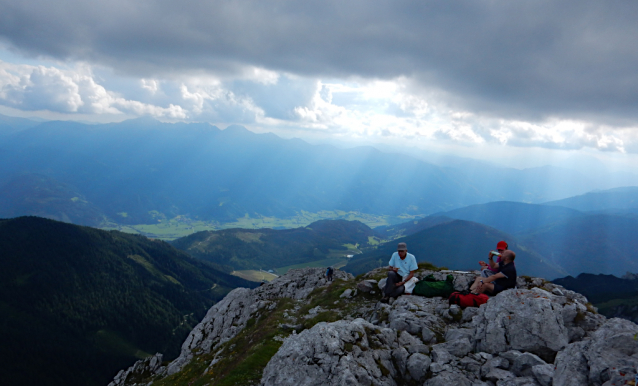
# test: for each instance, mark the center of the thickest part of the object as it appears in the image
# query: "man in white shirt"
(401, 269)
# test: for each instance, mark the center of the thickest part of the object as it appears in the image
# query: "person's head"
(508, 256)
(501, 246)
(402, 249)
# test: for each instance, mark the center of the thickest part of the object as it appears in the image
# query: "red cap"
(501, 245)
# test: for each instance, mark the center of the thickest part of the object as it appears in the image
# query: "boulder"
(525, 320)
(418, 365)
(447, 378)
(609, 355)
(346, 294)
(544, 374)
(365, 286)
(338, 353)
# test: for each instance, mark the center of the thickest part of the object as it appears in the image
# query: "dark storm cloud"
(519, 59)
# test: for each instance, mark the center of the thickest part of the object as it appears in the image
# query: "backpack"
(430, 287)
(467, 300)
(329, 271)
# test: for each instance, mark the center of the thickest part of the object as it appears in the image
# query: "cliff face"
(302, 330)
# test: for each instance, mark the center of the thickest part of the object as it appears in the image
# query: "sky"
(523, 83)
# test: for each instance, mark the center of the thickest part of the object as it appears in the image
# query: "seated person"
(402, 268)
(504, 279)
(488, 269)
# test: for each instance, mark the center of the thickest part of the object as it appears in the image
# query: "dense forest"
(79, 304)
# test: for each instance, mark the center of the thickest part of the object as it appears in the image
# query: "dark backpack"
(430, 287)
(467, 300)
(329, 271)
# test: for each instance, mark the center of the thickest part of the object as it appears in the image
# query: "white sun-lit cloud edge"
(364, 109)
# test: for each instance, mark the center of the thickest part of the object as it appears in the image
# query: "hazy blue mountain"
(512, 217)
(11, 125)
(269, 248)
(458, 245)
(612, 199)
(129, 169)
(44, 196)
(78, 303)
(411, 227)
(142, 165)
(598, 243)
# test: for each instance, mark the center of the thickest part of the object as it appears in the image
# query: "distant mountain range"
(127, 173)
(623, 198)
(459, 245)
(79, 303)
(569, 240)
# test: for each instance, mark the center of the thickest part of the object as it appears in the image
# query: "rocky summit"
(301, 329)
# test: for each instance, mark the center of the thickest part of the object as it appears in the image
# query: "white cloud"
(33, 88)
(375, 110)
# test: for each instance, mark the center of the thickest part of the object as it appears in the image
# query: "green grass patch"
(336, 262)
(111, 342)
(254, 275)
(243, 359)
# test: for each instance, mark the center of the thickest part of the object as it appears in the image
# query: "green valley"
(181, 226)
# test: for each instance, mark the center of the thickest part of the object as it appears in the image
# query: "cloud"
(519, 60)
(33, 88)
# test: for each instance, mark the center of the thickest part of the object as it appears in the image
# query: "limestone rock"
(523, 364)
(544, 374)
(321, 356)
(418, 365)
(609, 355)
(447, 378)
(525, 320)
(365, 286)
(151, 365)
(346, 294)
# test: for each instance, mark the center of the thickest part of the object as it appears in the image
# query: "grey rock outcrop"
(528, 320)
(229, 316)
(609, 356)
(151, 365)
(528, 336)
(339, 353)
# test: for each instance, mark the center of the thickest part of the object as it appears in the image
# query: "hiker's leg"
(398, 291)
(486, 288)
(476, 283)
(390, 284)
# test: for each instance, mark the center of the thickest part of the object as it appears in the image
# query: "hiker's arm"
(406, 279)
(391, 268)
(492, 263)
(496, 276)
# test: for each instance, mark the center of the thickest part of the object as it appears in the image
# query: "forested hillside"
(78, 303)
(269, 248)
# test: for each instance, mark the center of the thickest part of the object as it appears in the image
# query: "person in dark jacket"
(504, 279)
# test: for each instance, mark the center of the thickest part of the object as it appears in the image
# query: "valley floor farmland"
(181, 226)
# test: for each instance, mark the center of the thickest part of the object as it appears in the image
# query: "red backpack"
(467, 300)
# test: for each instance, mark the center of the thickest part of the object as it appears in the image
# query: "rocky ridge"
(302, 330)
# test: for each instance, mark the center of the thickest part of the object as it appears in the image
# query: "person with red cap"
(492, 267)
(502, 280)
